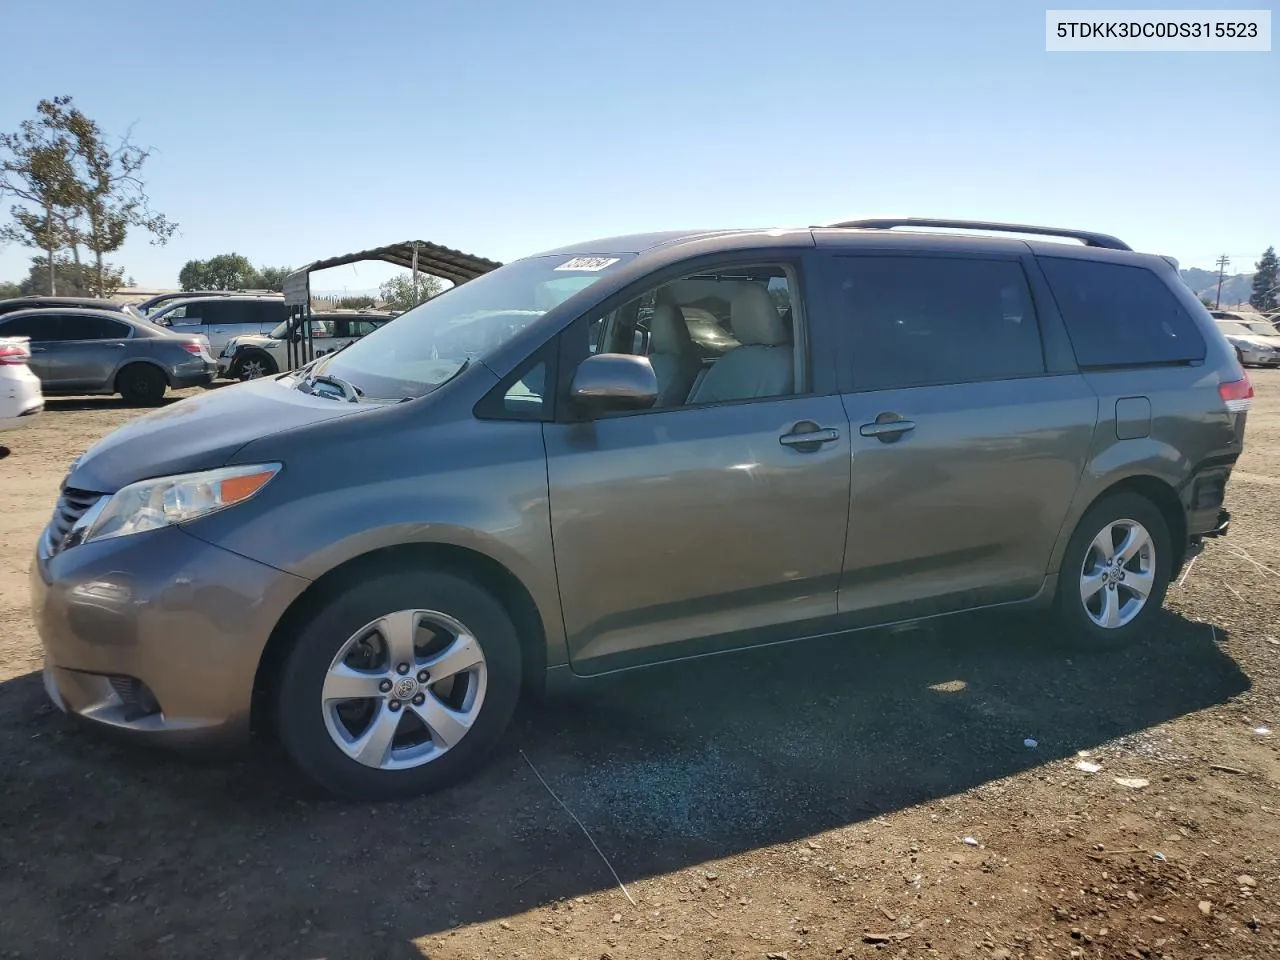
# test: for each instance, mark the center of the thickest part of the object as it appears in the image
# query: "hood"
(199, 433)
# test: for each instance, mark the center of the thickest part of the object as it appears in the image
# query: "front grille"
(72, 505)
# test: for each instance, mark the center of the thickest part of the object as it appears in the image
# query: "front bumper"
(162, 609)
(1258, 358)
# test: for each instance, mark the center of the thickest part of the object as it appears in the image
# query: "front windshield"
(423, 347)
(1263, 329)
(1239, 329)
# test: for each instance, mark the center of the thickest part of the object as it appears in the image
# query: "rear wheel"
(141, 384)
(399, 685)
(1115, 571)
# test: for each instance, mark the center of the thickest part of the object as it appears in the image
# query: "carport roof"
(440, 261)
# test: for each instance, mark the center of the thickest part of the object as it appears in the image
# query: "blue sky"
(288, 131)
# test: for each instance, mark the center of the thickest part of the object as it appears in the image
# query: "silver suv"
(631, 451)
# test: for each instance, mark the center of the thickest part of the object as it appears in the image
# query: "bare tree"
(76, 189)
(37, 170)
(112, 197)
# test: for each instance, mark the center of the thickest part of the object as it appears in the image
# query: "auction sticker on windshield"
(588, 263)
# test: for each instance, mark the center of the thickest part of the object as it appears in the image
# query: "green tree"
(398, 292)
(230, 271)
(271, 278)
(226, 271)
(37, 171)
(71, 279)
(8, 290)
(191, 276)
(1266, 283)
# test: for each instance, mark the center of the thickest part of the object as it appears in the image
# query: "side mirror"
(609, 382)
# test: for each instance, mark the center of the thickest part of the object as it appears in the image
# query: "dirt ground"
(867, 795)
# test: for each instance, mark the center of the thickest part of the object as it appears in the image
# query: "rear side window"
(78, 327)
(934, 320)
(270, 311)
(226, 311)
(37, 327)
(1119, 315)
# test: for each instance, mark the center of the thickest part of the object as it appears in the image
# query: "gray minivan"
(632, 451)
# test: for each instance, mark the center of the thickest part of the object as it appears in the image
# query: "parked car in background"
(77, 351)
(20, 395)
(377, 554)
(159, 302)
(85, 303)
(260, 355)
(219, 318)
(1256, 344)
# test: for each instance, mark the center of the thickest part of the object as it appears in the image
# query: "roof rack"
(1087, 237)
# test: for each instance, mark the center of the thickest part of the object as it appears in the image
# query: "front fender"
(478, 486)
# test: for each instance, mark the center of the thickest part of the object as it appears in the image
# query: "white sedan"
(20, 395)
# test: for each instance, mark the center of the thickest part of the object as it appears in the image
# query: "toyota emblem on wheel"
(405, 688)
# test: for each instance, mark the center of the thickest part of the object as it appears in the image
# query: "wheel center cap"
(405, 688)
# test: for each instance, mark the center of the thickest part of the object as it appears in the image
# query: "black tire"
(1072, 614)
(141, 384)
(244, 363)
(300, 717)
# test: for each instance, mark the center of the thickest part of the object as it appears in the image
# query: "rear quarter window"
(1118, 315)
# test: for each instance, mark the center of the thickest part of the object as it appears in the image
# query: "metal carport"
(416, 256)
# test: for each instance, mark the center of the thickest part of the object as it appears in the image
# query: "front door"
(969, 429)
(710, 521)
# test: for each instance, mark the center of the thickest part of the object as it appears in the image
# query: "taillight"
(11, 354)
(193, 348)
(1237, 395)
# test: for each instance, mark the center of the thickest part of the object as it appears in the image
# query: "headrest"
(668, 332)
(755, 318)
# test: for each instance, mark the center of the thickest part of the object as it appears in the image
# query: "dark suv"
(631, 451)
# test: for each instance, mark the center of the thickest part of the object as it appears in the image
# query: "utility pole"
(1223, 263)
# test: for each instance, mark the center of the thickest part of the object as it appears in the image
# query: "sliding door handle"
(887, 431)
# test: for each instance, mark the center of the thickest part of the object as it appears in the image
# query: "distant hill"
(1204, 283)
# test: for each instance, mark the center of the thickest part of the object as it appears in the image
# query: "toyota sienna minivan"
(632, 451)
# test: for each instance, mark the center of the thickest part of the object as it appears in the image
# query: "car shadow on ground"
(54, 404)
(110, 402)
(668, 768)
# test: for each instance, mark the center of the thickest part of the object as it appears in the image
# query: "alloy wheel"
(1118, 574)
(404, 689)
(252, 370)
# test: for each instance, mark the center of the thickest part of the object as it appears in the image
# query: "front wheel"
(1115, 571)
(253, 366)
(399, 685)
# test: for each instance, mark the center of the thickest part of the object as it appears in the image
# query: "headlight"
(151, 504)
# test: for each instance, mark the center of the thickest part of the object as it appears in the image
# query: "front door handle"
(807, 436)
(116, 346)
(887, 428)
